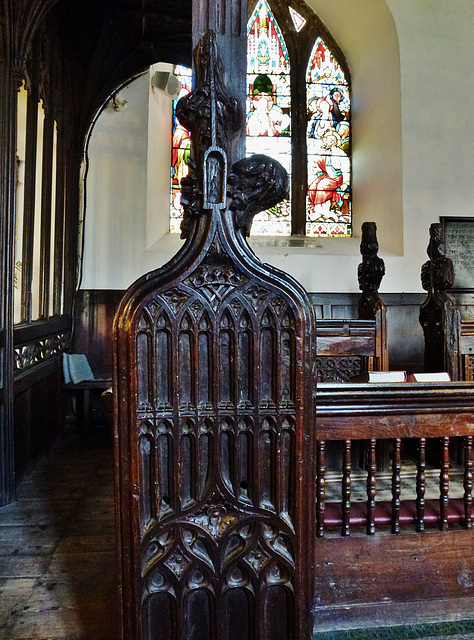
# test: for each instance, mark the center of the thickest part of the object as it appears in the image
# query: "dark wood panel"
(38, 416)
(35, 375)
(26, 332)
(95, 311)
(392, 580)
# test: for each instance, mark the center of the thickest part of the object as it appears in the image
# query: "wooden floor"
(57, 549)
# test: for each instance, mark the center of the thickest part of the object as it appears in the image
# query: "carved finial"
(195, 110)
(438, 272)
(438, 316)
(255, 184)
(370, 272)
(213, 117)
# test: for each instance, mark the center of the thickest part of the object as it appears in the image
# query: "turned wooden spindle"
(444, 484)
(421, 485)
(396, 484)
(320, 487)
(346, 488)
(467, 484)
(371, 471)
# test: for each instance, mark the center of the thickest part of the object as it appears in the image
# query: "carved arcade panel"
(215, 429)
(214, 399)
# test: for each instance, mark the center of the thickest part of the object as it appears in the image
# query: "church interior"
(182, 452)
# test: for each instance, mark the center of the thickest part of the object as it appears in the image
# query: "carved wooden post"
(227, 19)
(10, 79)
(439, 318)
(370, 273)
(214, 405)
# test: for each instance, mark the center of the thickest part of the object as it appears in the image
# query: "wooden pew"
(393, 562)
(221, 433)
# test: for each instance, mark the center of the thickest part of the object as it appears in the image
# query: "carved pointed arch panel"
(214, 401)
(214, 417)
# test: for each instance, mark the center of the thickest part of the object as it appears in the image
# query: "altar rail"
(387, 413)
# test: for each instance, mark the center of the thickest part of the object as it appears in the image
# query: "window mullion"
(298, 148)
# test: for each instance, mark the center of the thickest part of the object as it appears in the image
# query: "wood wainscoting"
(95, 311)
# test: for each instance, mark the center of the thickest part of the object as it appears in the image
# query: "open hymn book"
(400, 376)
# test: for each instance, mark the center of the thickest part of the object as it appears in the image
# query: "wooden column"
(30, 195)
(46, 202)
(8, 109)
(228, 20)
(59, 238)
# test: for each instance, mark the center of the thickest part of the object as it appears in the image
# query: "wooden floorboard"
(58, 577)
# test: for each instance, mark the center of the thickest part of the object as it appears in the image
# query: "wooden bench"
(390, 559)
(81, 394)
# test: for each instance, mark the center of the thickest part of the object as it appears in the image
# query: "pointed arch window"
(180, 151)
(268, 123)
(328, 206)
(298, 111)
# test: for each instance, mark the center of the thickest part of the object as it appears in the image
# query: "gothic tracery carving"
(220, 344)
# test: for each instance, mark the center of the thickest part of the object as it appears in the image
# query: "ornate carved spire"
(213, 117)
(370, 273)
(438, 316)
(209, 112)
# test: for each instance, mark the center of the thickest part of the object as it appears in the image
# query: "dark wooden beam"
(228, 20)
(8, 107)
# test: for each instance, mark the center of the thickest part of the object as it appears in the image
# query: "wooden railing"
(386, 413)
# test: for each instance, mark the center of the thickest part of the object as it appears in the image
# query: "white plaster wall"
(437, 121)
(412, 115)
(158, 162)
(116, 192)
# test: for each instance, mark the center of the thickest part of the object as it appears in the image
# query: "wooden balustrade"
(393, 417)
(394, 512)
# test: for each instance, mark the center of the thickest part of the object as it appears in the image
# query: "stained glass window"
(298, 19)
(312, 134)
(328, 210)
(268, 107)
(180, 149)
